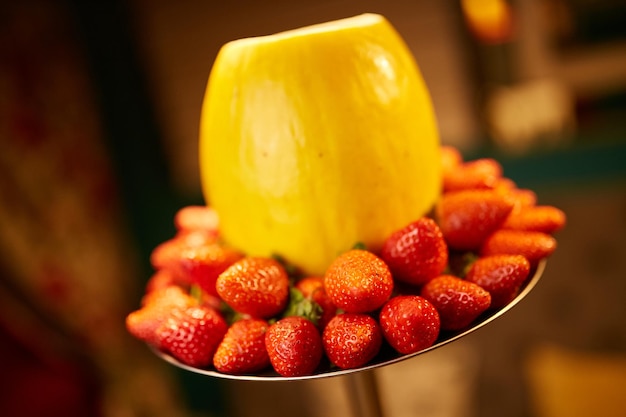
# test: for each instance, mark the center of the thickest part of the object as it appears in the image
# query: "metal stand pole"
(363, 393)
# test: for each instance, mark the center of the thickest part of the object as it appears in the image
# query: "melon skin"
(316, 139)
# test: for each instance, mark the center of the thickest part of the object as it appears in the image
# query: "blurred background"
(99, 114)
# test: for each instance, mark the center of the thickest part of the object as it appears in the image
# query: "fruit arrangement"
(211, 306)
(346, 234)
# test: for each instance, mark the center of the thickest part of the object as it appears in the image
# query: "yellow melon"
(314, 139)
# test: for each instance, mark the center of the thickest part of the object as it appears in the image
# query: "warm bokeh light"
(491, 21)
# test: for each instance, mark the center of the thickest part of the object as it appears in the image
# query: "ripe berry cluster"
(210, 306)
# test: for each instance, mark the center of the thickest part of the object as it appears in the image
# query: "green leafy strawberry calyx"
(301, 306)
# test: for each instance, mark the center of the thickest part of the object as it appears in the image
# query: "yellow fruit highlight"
(314, 139)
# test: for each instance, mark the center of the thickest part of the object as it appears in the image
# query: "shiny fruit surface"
(314, 139)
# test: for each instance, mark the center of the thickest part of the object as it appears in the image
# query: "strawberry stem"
(460, 263)
(229, 314)
(196, 293)
(301, 306)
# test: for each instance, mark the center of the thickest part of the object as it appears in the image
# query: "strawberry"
(192, 335)
(194, 260)
(520, 197)
(161, 279)
(256, 286)
(166, 254)
(197, 218)
(358, 281)
(451, 159)
(409, 323)
(457, 301)
(534, 246)
(194, 257)
(466, 218)
(242, 351)
(504, 185)
(546, 219)
(203, 264)
(416, 253)
(483, 173)
(313, 289)
(500, 275)
(352, 340)
(294, 346)
(156, 306)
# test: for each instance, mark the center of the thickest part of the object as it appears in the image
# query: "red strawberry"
(352, 340)
(416, 253)
(192, 335)
(546, 219)
(203, 264)
(481, 173)
(156, 307)
(410, 323)
(161, 279)
(313, 289)
(458, 302)
(194, 261)
(197, 218)
(167, 253)
(500, 275)
(256, 286)
(534, 246)
(294, 346)
(242, 350)
(466, 218)
(358, 281)
(520, 197)
(451, 159)
(504, 185)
